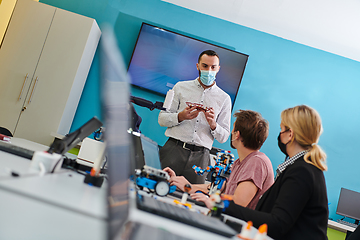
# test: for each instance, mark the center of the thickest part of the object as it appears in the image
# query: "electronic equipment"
(162, 57)
(146, 151)
(61, 146)
(178, 194)
(137, 149)
(185, 216)
(146, 103)
(349, 204)
(152, 158)
(151, 152)
(347, 223)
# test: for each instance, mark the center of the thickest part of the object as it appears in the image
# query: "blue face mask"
(207, 77)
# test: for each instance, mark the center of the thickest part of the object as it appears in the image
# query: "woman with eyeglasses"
(296, 205)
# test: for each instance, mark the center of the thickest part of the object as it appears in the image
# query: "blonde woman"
(295, 206)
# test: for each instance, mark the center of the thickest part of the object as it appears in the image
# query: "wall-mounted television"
(162, 57)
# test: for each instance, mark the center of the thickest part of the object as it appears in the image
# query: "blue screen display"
(161, 58)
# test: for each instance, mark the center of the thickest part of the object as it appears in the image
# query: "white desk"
(61, 206)
(10, 162)
(53, 206)
(20, 165)
(66, 190)
(25, 218)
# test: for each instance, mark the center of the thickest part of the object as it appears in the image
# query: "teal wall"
(279, 74)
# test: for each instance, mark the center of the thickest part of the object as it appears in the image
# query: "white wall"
(329, 25)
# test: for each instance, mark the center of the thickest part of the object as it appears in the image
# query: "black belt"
(187, 146)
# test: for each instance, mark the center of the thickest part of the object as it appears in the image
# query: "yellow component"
(188, 205)
(184, 204)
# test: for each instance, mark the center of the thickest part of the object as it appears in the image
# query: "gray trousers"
(181, 161)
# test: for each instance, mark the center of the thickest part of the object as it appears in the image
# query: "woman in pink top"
(252, 173)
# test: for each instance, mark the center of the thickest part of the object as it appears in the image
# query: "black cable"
(72, 165)
(52, 171)
(69, 163)
(104, 164)
(75, 170)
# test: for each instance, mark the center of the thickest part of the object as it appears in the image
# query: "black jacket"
(294, 207)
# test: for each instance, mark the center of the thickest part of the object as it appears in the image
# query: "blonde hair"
(306, 125)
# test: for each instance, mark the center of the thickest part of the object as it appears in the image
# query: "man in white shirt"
(191, 130)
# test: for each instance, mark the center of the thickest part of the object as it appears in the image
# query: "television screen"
(161, 58)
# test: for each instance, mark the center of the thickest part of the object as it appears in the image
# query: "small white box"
(44, 162)
(91, 152)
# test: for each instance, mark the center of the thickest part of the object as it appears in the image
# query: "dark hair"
(254, 129)
(209, 53)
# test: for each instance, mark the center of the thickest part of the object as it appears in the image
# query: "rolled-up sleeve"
(169, 118)
(222, 130)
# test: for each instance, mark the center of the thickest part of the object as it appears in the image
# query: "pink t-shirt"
(256, 167)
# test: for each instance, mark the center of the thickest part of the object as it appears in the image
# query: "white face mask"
(207, 77)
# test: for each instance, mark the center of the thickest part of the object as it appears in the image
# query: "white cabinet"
(45, 57)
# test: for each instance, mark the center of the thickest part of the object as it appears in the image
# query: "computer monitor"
(61, 146)
(115, 107)
(146, 151)
(349, 204)
(138, 151)
(151, 152)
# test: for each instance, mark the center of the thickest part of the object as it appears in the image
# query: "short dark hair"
(209, 53)
(253, 128)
